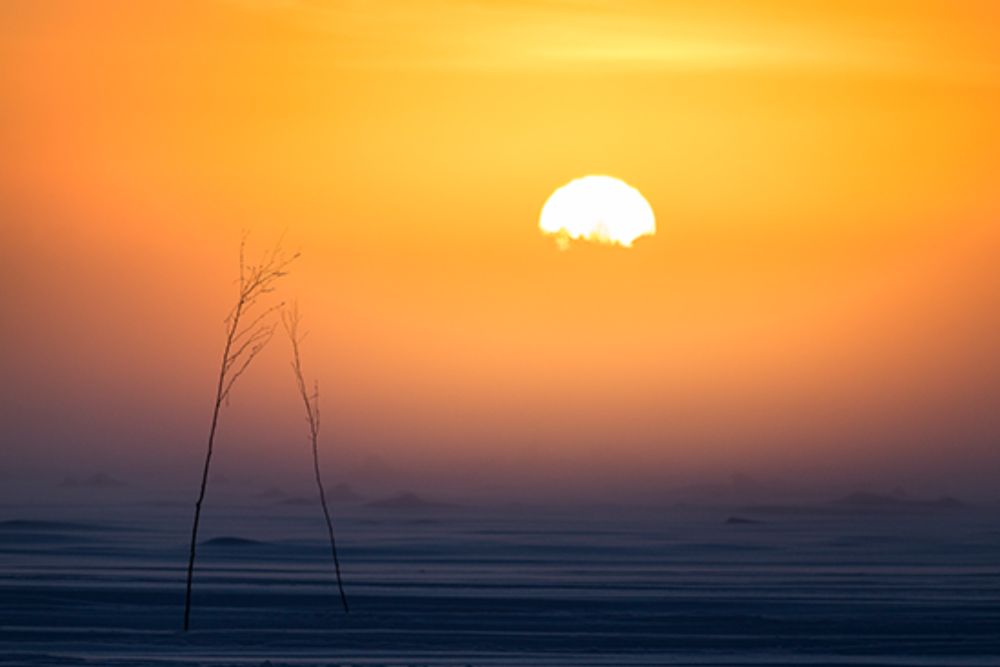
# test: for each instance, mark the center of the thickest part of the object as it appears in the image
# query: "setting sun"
(597, 208)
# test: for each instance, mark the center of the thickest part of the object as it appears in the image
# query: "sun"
(601, 209)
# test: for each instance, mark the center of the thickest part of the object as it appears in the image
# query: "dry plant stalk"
(290, 319)
(248, 331)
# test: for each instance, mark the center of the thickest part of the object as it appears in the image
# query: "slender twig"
(290, 319)
(241, 347)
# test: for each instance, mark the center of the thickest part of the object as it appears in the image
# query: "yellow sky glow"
(822, 278)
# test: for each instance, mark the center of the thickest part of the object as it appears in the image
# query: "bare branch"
(260, 318)
(290, 319)
(261, 335)
(264, 338)
(242, 345)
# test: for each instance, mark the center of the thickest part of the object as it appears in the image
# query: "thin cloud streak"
(563, 36)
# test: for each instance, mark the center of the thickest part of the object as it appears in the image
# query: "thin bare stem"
(241, 347)
(290, 319)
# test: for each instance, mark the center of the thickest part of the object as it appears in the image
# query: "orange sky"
(822, 291)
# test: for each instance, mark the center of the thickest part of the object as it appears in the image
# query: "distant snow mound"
(879, 501)
(98, 480)
(298, 501)
(28, 525)
(270, 493)
(230, 542)
(340, 493)
(343, 493)
(741, 521)
(407, 502)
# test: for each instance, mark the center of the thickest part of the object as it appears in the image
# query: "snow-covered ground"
(103, 585)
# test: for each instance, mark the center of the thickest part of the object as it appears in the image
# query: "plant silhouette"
(290, 319)
(248, 331)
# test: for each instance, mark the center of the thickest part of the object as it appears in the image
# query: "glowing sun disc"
(601, 209)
